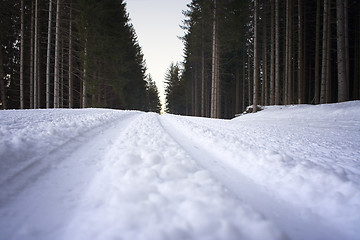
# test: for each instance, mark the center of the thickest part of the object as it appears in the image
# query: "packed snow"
(287, 172)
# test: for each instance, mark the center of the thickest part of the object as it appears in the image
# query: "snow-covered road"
(283, 173)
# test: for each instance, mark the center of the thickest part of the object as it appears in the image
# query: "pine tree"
(153, 99)
(174, 91)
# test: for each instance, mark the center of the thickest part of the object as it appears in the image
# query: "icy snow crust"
(287, 172)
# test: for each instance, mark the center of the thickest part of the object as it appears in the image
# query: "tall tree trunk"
(84, 87)
(347, 57)
(70, 93)
(324, 67)
(272, 56)
(202, 84)
(249, 80)
(301, 84)
(237, 90)
(290, 56)
(21, 55)
(48, 57)
(256, 60)
(218, 80)
(214, 72)
(264, 66)
(243, 83)
(328, 57)
(38, 73)
(2, 82)
(62, 74)
(56, 67)
(277, 55)
(266, 84)
(356, 89)
(36, 56)
(196, 90)
(317, 55)
(287, 80)
(343, 94)
(32, 57)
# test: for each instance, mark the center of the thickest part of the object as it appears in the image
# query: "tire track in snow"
(151, 189)
(295, 222)
(57, 181)
(41, 164)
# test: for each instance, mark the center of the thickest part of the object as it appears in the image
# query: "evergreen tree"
(304, 67)
(153, 99)
(77, 53)
(175, 91)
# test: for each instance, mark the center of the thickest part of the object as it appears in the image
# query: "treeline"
(73, 54)
(248, 52)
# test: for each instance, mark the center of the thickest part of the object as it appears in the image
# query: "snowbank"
(307, 155)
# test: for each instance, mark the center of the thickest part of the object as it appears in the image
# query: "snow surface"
(287, 172)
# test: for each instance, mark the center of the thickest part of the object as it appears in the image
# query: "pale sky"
(156, 24)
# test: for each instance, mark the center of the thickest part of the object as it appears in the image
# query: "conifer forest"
(237, 53)
(265, 52)
(72, 54)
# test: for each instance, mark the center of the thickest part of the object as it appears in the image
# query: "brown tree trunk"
(243, 84)
(277, 55)
(356, 89)
(84, 86)
(301, 84)
(249, 81)
(324, 67)
(347, 57)
(36, 56)
(62, 75)
(48, 57)
(288, 57)
(203, 110)
(70, 93)
(343, 94)
(215, 101)
(237, 90)
(22, 56)
(264, 86)
(328, 57)
(272, 57)
(256, 60)
(57, 58)
(317, 56)
(2, 83)
(32, 57)
(195, 93)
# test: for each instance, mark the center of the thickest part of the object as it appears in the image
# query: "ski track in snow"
(41, 197)
(296, 222)
(284, 173)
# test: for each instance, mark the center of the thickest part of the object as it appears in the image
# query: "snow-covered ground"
(288, 172)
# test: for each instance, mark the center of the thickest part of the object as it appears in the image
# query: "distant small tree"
(153, 99)
(175, 91)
